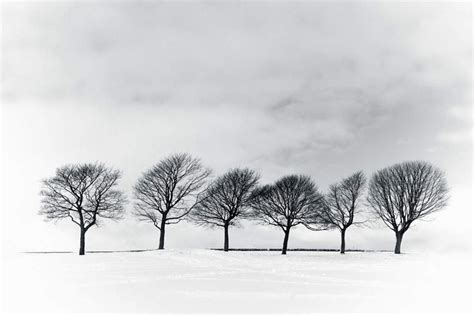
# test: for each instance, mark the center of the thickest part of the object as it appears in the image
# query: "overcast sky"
(323, 89)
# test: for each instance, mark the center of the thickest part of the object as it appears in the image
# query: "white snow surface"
(217, 282)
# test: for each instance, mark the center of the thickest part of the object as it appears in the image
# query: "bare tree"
(167, 192)
(82, 193)
(290, 201)
(342, 202)
(405, 192)
(226, 201)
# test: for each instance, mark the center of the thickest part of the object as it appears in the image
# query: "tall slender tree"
(226, 201)
(406, 192)
(83, 193)
(342, 202)
(168, 191)
(290, 201)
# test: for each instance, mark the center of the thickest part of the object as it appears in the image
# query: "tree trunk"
(285, 242)
(162, 233)
(343, 241)
(226, 238)
(82, 243)
(398, 244)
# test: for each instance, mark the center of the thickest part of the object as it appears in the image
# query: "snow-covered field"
(212, 281)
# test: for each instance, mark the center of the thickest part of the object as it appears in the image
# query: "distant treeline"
(179, 188)
(217, 249)
(300, 250)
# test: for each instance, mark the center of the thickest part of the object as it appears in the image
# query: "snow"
(212, 281)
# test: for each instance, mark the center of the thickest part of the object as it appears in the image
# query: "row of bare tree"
(177, 188)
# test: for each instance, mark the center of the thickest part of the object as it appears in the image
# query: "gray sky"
(323, 89)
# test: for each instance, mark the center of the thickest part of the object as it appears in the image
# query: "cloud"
(259, 54)
(463, 136)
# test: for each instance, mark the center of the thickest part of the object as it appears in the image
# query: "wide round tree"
(226, 201)
(290, 201)
(83, 193)
(406, 192)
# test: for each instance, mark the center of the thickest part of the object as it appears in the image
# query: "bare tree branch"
(169, 191)
(342, 204)
(226, 201)
(403, 193)
(291, 201)
(83, 193)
